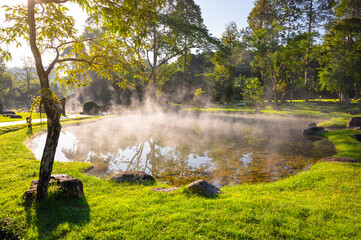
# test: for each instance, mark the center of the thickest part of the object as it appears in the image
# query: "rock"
(256, 111)
(67, 186)
(88, 169)
(29, 196)
(313, 131)
(312, 125)
(15, 116)
(204, 188)
(132, 177)
(354, 112)
(354, 122)
(357, 136)
(165, 190)
(339, 159)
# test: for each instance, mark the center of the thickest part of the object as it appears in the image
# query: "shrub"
(90, 107)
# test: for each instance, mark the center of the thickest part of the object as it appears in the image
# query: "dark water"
(177, 149)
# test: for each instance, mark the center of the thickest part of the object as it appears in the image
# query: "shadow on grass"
(55, 211)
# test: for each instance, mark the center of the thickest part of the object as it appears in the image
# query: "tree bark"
(184, 71)
(356, 91)
(52, 111)
(51, 107)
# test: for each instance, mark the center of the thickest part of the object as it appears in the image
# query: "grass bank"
(335, 113)
(322, 203)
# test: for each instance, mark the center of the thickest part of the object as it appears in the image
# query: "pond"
(224, 149)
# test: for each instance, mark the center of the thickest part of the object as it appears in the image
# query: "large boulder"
(354, 122)
(67, 186)
(313, 131)
(132, 177)
(204, 188)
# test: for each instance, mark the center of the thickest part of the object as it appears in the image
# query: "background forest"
(291, 49)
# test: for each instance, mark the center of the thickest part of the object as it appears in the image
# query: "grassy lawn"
(24, 115)
(335, 114)
(322, 203)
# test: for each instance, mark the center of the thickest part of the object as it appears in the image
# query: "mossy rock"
(90, 107)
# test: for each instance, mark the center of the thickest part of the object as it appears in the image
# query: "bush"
(90, 107)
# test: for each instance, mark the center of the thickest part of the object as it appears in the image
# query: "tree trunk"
(229, 87)
(356, 91)
(52, 111)
(184, 71)
(155, 59)
(28, 79)
(275, 93)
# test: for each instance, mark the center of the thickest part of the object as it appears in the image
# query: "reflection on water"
(179, 149)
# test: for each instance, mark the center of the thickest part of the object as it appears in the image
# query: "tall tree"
(315, 13)
(225, 59)
(28, 67)
(46, 26)
(342, 51)
(262, 15)
(191, 32)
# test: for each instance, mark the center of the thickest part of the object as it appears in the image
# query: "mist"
(178, 147)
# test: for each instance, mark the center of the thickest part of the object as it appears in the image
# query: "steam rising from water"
(178, 147)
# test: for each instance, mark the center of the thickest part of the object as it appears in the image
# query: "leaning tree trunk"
(51, 107)
(53, 112)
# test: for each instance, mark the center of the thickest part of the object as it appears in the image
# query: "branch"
(56, 60)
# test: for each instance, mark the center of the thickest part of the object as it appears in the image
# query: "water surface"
(177, 149)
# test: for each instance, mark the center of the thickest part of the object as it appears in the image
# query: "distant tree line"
(291, 49)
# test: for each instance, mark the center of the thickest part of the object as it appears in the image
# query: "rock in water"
(132, 177)
(204, 188)
(313, 130)
(312, 125)
(354, 122)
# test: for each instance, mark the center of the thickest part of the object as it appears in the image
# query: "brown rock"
(354, 112)
(204, 188)
(132, 177)
(354, 122)
(313, 131)
(66, 185)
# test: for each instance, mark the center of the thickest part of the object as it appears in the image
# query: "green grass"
(322, 203)
(331, 115)
(24, 115)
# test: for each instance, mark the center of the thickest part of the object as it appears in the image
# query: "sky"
(216, 15)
